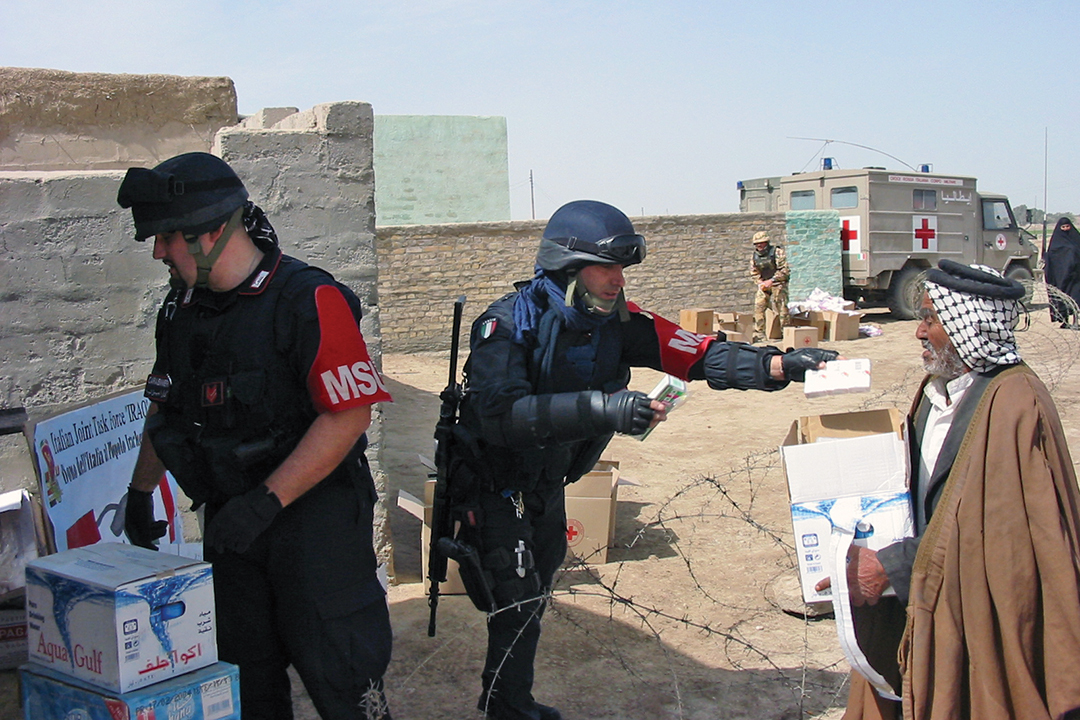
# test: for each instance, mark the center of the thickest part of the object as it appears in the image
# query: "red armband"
(679, 348)
(342, 375)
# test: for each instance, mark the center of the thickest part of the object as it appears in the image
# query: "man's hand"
(795, 363)
(629, 411)
(865, 575)
(241, 520)
(765, 284)
(139, 524)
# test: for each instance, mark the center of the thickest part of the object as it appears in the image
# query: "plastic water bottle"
(863, 531)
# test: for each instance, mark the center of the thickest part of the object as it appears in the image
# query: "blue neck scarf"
(542, 293)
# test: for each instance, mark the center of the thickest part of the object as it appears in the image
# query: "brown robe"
(993, 616)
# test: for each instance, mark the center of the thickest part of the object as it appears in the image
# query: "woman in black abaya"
(1061, 268)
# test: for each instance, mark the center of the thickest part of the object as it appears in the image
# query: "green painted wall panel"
(435, 169)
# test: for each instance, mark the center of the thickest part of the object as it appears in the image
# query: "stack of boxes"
(806, 329)
(833, 325)
(736, 326)
(118, 631)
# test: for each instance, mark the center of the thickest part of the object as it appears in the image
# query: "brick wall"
(693, 261)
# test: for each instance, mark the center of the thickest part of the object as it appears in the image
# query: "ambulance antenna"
(864, 147)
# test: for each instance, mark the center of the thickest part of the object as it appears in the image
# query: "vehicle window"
(997, 215)
(924, 199)
(802, 200)
(845, 197)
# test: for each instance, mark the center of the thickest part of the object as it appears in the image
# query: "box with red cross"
(590, 512)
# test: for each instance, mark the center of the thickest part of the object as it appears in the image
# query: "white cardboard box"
(120, 617)
(842, 468)
(839, 376)
(211, 693)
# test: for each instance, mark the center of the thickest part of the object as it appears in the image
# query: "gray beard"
(945, 364)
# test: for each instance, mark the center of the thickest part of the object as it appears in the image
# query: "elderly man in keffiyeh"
(985, 622)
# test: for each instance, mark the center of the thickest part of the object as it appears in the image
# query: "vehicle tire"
(905, 292)
(1022, 274)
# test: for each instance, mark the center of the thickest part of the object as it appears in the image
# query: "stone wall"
(693, 261)
(57, 120)
(78, 296)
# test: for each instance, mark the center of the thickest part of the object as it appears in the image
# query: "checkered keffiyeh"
(979, 309)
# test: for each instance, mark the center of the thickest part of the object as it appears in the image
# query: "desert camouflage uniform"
(772, 264)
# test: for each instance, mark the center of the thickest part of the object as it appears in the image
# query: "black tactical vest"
(232, 407)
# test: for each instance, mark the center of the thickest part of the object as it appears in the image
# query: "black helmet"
(194, 193)
(587, 232)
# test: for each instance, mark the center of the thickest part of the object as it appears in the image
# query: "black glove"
(139, 524)
(241, 520)
(795, 363)
(628, 411)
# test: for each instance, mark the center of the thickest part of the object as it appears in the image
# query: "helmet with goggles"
(588, 232)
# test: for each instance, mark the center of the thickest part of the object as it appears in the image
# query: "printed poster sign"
(85, 458)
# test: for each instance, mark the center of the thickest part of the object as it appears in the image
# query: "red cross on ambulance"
(924, 233)
(849, 235)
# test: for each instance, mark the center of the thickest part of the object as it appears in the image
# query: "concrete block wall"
(693, 261)
(78, 296)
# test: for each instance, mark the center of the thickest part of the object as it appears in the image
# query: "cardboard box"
(671, 391)
(734, 323)
(842, 325)
(13, 650)
(840, 468)
(697, 320)
(590, 513)
(812, 318)
(800, 337)
(120, 617)
(422, 510)
(839, 376)
(773, 329)
(21, 540)
(211, 693)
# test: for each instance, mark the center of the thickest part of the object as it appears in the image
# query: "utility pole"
(1046, 206)
(532, 196)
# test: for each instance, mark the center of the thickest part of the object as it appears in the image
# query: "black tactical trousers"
(306, 594)
(523, 545)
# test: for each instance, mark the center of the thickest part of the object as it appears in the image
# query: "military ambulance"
(896, 225)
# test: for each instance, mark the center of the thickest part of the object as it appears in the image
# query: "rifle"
(441, 522)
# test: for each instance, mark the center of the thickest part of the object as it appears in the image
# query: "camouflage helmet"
(760, 237)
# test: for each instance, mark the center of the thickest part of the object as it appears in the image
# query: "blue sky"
(656, 107)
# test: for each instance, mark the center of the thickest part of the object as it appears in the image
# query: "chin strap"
(593, 304)
(205, 263)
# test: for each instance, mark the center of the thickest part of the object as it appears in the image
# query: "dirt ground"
(696, 615)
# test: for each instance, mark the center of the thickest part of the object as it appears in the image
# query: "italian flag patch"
(487, 328)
